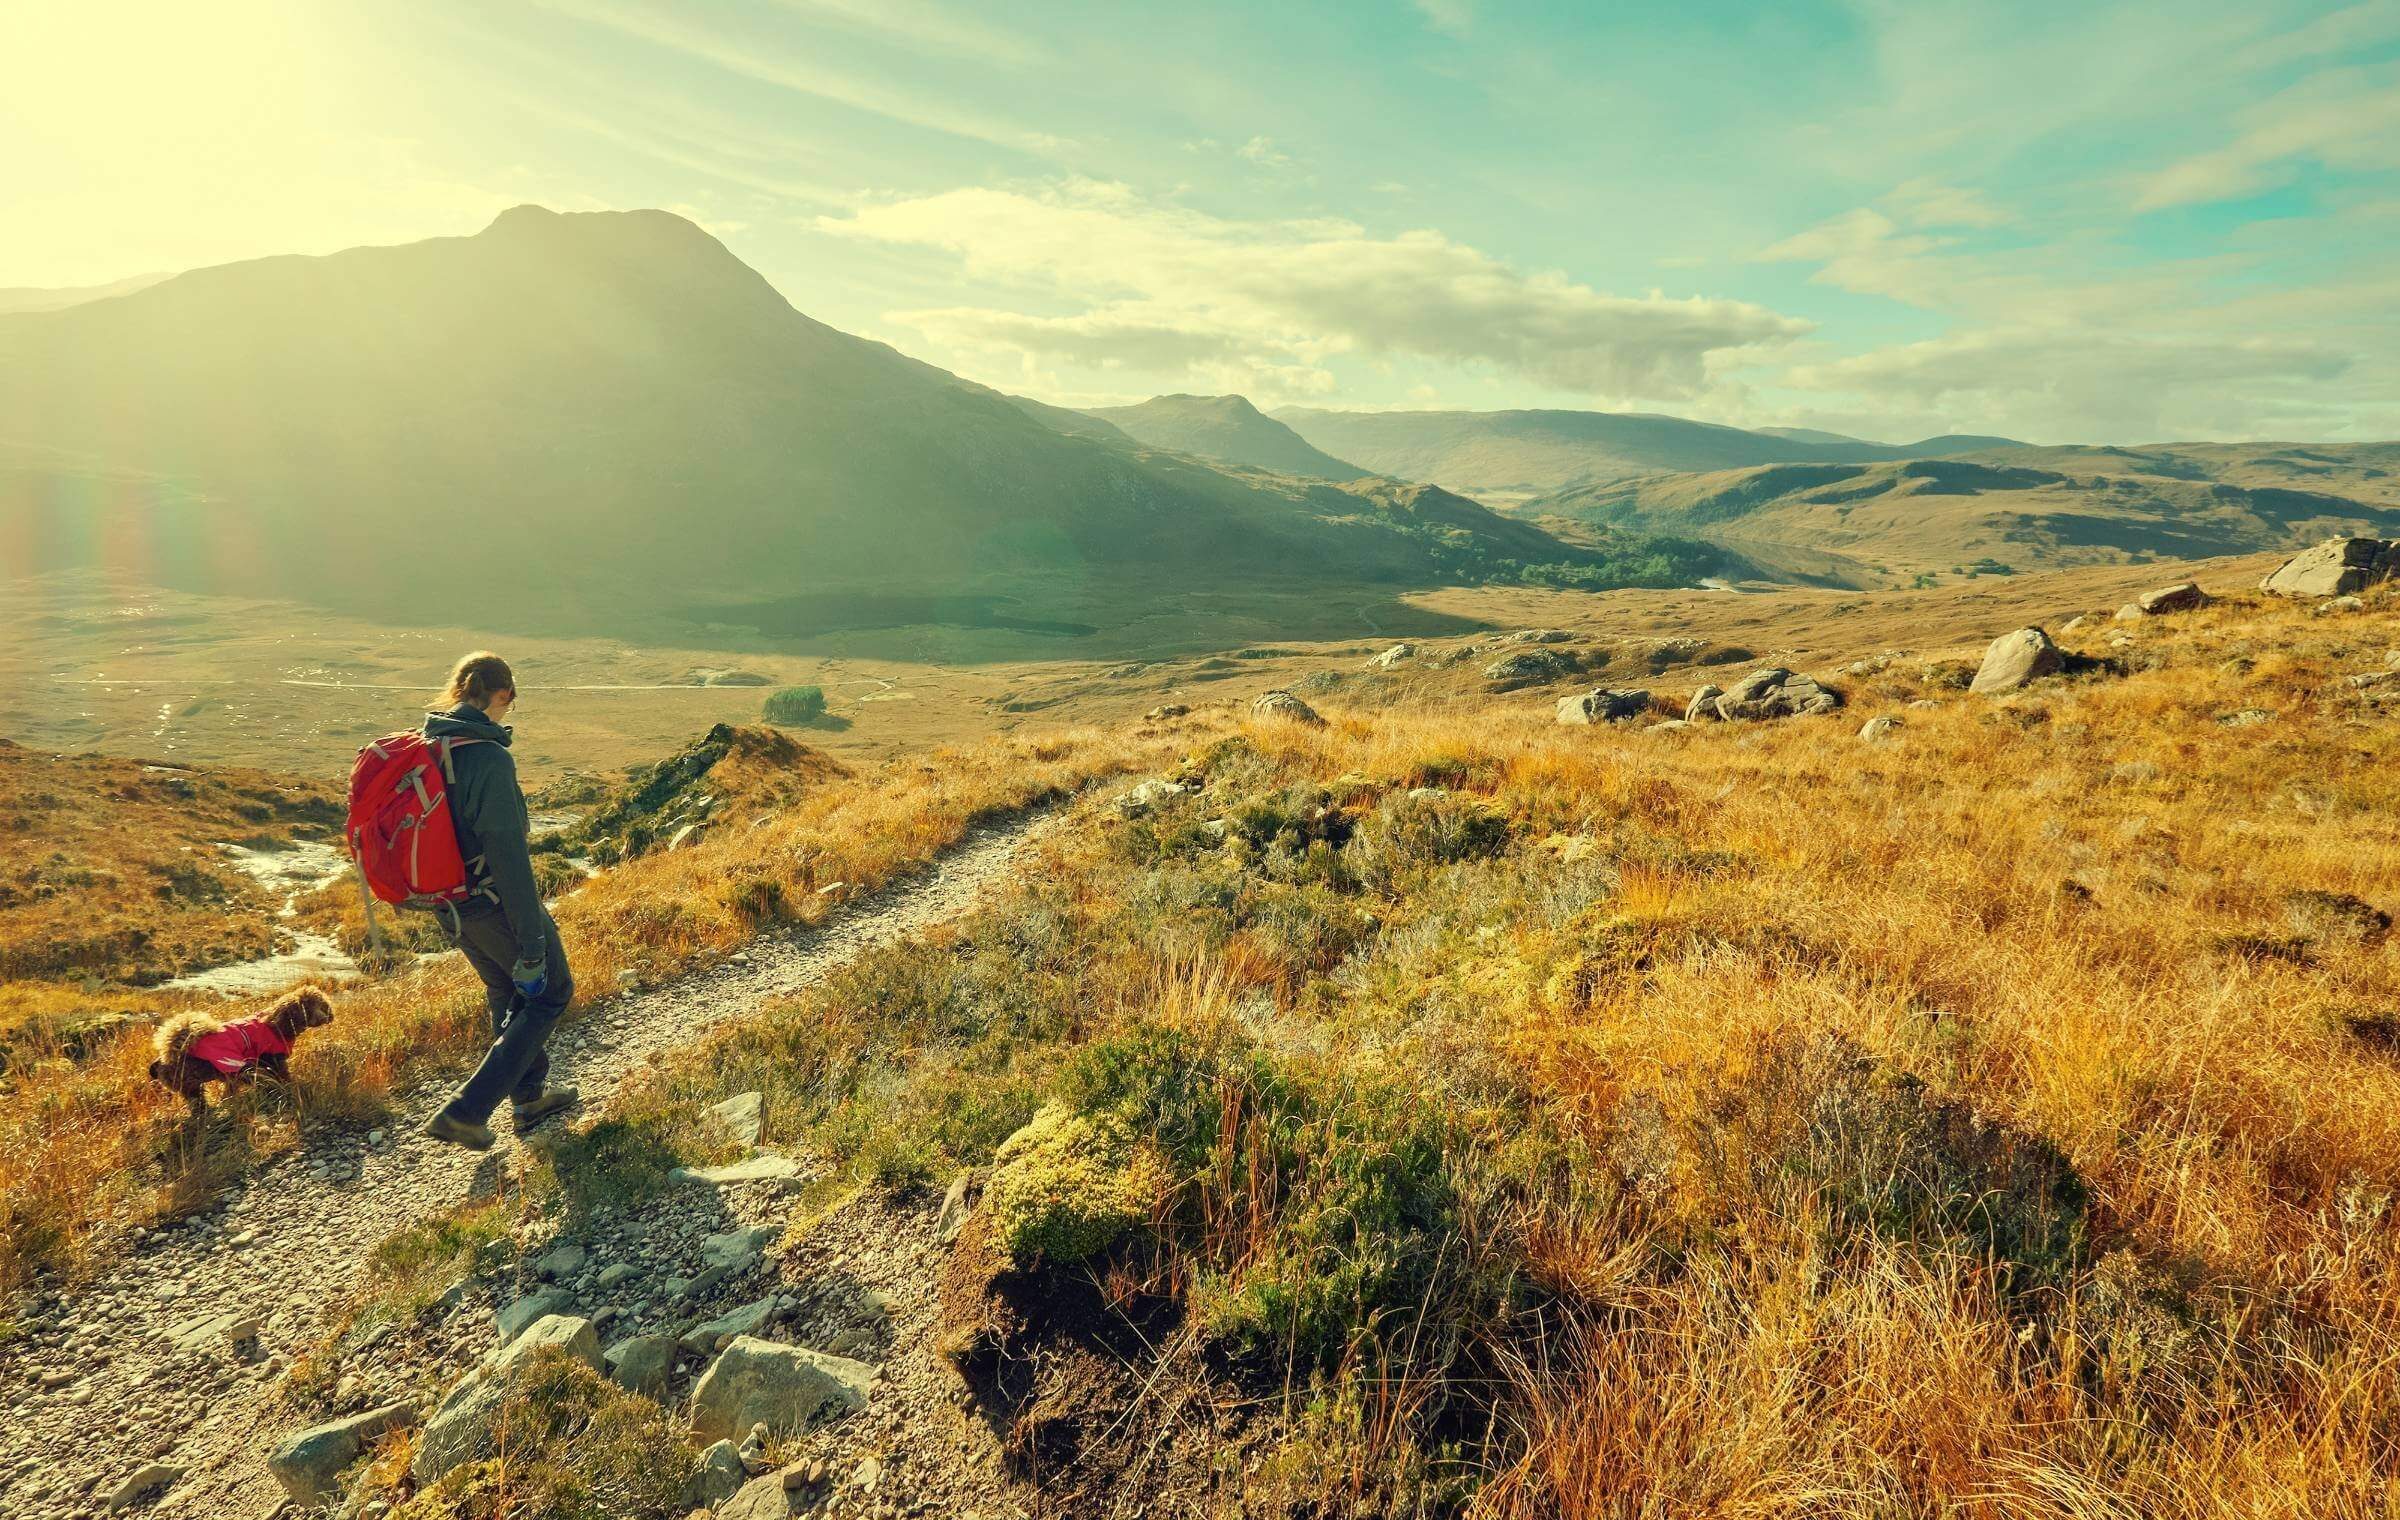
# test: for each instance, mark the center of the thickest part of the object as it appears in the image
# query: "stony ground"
(136, 1368)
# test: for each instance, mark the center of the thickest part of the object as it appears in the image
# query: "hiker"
(502, 926)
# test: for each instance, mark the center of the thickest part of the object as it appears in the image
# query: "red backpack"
(400, 829)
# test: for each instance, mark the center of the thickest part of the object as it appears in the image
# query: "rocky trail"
(147, 1373)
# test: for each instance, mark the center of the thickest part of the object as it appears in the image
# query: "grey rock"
(1166, 710)
(1528, 667)
(788, 1389)
(1148, 798)
(686, 836)
(2336, 567)
(1397, 655)
(2183, 596)
(744, 1116)
(152, 1478)
(716, 1476)
(568, 1333)
(2338, 604)
(955, 1209)
(617, 1274)
(746, 1320)
(537, 1305)
(1878, 729)
(1603, 706)
(760, 1499)
(2016, 659)
(1775, 693)
(562, 1260)
(206, 1330)
(1703, 706)
(1282, 704)
(642, 1363)
(308, 1465)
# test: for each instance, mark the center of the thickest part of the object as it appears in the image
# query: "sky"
(2060, 222)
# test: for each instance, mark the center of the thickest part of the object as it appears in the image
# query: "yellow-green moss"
(1066, 1186)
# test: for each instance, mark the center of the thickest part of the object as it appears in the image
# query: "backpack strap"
(443, 747)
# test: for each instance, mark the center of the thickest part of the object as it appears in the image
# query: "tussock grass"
(1742, 1120)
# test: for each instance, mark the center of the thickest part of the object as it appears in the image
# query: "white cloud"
(2080, 383)
(926, 26)
(1263, 152)
(2342, 118)
(1281, 291)
(841, 86)
(1452, 16)
(1930, 203)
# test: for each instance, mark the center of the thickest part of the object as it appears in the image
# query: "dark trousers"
(518, 1063)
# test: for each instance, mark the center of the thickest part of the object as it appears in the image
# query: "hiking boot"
(454, 1131)
(552, 1100)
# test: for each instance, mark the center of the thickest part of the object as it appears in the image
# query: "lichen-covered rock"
(1527, 667)
(1066, 1186)
(1703, 706)
(1775, 693)
(308, 1465)
(2336, 567)
(1603, 706)
(1282, 704)
(642, 1363)
(1392, 658)
(2016, 659)
(2183, 596)
(788, 1389)
(1878, 729)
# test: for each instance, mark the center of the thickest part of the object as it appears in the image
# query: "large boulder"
(1282, 704)
(1603, 706)
(2183, 596)
(642, 1363)
(309, 1465)
(788, 1389)
(2336, 567)
(744, 1116)
(1703, 705)
(1529, 667)
(1775, 693)
(2016, 659)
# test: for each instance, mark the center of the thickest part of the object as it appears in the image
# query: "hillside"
(1930, 515)
(1418, 1113)
(1509, 456)
(1228, 430)
(616, 414)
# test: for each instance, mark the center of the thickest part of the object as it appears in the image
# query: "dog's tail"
(177, 1033)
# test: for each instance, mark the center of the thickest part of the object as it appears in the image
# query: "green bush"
(795, 705)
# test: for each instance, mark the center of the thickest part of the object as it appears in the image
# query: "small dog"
(195, 1048)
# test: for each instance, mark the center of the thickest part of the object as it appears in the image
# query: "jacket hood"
(465, 721)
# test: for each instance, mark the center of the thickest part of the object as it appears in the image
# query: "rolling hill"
(1932, 514)
(1511, 456)
(1227, 430)
(566, 420)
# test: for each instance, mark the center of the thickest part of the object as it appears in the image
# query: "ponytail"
(477, 677)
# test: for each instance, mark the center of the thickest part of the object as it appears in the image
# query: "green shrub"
(796, 705)
(1068, 1186)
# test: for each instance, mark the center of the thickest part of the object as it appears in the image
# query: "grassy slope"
(1726, 1121)
(1933, 514)
(86, 1140)
(1514, 454)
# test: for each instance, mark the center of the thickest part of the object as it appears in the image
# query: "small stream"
(306, 866)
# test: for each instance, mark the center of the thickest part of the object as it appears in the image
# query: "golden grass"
(88, 1142)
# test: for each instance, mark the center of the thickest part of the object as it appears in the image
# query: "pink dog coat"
(236, 1048)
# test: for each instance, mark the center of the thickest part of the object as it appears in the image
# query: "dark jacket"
(489, 811)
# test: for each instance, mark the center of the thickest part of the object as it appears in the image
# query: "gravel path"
(102, 1385)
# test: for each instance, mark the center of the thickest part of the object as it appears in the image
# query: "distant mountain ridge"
(1227, 429)
(1511, 455)
(580, 416)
